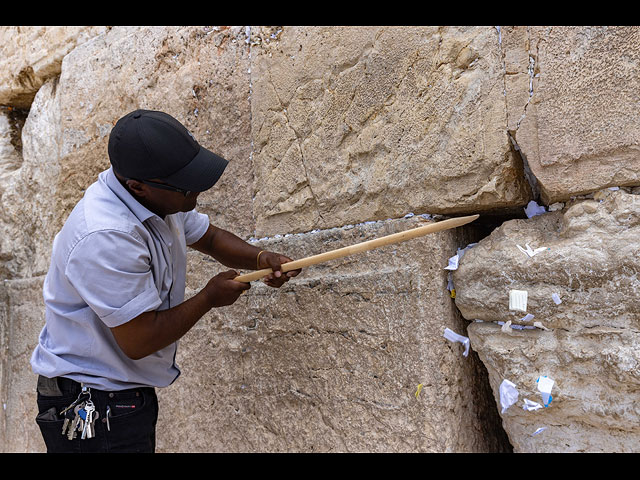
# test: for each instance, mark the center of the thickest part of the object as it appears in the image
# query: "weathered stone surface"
(591, 346)
(30, 55)
(197, 74)
(29, 173)
(362, 123)
(579, 131)
(326, 127)
(331, 362)
(21, 318)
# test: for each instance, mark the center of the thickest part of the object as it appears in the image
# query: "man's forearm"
(228, 249)
(153, 331)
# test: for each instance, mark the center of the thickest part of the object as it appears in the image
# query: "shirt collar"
(141, 212)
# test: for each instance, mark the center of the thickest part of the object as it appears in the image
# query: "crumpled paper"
(530, 405)
(508, 394)
(534, 209)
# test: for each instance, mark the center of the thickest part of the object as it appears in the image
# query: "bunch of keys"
(80, 417)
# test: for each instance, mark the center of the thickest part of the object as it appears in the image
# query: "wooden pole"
(361, 247)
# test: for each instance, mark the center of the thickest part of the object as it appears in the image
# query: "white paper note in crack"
(518, 300)
(530, 251)
(454, 337)
(454, 261)
(527, 318)
(534, 209)
(530, 405)
(508, 394)
(545, 384)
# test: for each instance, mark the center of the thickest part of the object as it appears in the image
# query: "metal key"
(92, 426)
(73, 427)
(68, 418)
(88, 420)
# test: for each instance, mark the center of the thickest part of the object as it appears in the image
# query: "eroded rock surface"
(326, 127)
(578, 127)
(409, 119)
(590, 341)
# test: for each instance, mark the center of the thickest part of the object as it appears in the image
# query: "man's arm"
(234, 252)
(152, 331)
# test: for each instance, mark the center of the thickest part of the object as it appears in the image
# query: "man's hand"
(274, 261)
(223, 290)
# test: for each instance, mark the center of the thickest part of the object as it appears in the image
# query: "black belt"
(59, 386)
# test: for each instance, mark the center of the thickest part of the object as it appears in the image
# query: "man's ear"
(137, 187)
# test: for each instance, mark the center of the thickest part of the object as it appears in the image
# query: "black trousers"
(131, 426)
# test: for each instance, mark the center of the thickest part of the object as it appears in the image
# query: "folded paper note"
(454, 261)
(454, 337)
(545, 384)
(518, 300)
(531, 252)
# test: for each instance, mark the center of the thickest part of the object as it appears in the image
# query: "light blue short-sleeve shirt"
(112, 261)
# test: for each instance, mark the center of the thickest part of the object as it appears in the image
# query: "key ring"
(85, 390)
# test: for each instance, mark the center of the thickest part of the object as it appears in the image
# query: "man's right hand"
(223, 290)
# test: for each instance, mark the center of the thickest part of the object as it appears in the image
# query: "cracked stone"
(591, 347)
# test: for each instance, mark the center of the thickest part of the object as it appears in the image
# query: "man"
(114, 294)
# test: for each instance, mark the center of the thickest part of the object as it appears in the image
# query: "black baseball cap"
(147, 144)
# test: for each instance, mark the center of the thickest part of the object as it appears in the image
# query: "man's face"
(161, 200)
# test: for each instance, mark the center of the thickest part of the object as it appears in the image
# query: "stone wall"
(336, 135)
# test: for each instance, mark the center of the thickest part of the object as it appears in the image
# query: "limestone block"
(365, 123)
(200, 75)
(30, 55)
(580, 130)
(28, 184)
(331, 362)
(21, 319)
(589, 343)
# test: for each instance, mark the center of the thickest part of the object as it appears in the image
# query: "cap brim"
(199, 174)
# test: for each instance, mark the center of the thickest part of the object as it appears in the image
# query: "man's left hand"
(274, 261)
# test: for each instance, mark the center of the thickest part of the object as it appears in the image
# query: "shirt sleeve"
(195, 226)
(111, 271)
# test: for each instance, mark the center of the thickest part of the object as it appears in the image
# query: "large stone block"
(331, 362)
(21, 319)
(588, 343)
(579, 130)
(29, 175)
(31, 55)
(366, 123)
